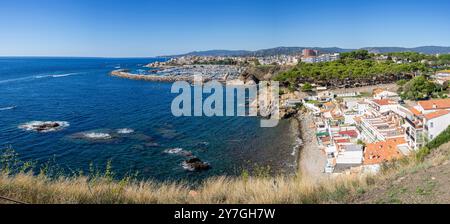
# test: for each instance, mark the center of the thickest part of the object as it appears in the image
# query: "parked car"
(329, 168)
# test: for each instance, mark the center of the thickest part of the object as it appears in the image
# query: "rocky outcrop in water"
(195, 164)
(44, 126)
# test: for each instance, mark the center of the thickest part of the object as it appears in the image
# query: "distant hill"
(298, 50)
(423, 50)
(263, 52)
(215, 53)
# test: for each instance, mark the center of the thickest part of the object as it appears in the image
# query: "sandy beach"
(312, 159)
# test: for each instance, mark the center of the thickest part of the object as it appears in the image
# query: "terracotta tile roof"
(435, 104)
(436, 114)
(378, 90)
(342, 140)
(357, 119)
(384, 102)
(415, 111)
(351, 133)
(444, 78)
(444, 71)
(380, 152)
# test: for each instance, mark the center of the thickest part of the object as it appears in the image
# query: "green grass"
(441, 139)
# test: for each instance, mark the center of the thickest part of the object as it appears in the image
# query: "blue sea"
(81, 92)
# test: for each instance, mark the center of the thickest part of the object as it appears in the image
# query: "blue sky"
(140, 28)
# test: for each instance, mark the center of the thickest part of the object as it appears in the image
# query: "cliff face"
(263, 72)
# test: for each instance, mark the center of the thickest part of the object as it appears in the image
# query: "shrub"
(307, 87)
(441, 139)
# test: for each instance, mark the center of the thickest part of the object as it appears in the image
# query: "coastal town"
(356, 132)
(221, 68)
(350, 130)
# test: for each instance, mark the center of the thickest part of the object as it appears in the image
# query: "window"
(431, 124)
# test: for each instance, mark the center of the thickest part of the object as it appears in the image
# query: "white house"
(430, 106)
(349, 156)
(436, 123)
(349, 94)
(385, 95)
(442, 77)
(383, 105)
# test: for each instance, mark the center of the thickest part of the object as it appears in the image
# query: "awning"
(320, 134)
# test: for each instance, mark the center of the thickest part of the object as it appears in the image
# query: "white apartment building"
(383, 120)
(322, 58)
(436, 123)
(426, 121)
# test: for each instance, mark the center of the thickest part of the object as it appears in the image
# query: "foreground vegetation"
(28, 187)
(28, 183)
(20, 182)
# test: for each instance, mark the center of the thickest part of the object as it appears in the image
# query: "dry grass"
(220, 190)
(23, 185)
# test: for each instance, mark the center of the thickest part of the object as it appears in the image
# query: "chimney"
(434, 106)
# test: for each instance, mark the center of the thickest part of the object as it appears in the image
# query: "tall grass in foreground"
(41, 189)
(44, 184)
(25, 182)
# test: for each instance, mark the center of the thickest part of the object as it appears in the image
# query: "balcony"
(415, 124)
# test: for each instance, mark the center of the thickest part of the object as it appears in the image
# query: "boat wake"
(8, 108)
(56, 76)
(30, 78)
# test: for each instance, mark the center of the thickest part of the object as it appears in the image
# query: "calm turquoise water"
(80, 91)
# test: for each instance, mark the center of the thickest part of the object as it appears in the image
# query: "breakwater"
(122, 73)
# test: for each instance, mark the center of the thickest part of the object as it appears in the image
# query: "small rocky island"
(44, 126)
(195, 164)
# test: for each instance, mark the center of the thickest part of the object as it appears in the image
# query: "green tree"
(358, 54)
(307, 87)
(418, 88)
(402, 82)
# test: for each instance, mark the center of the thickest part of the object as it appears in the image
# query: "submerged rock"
(151, 144)
(96, 136)
(125, 131)
(179, 151)
(195, 164)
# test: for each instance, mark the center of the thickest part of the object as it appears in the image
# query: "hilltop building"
(310, 53)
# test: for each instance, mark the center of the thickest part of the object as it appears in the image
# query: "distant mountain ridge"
(423, 49)
(297, 50)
